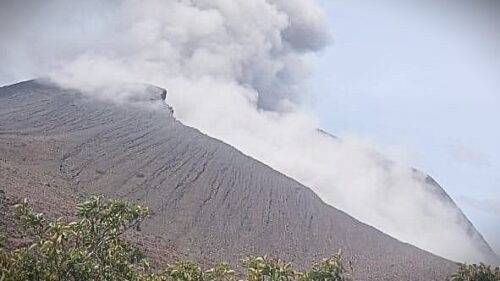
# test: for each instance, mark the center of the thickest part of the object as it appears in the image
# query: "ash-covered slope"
(208, 199)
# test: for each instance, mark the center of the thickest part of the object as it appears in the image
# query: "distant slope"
(438, 194)
(208, 199)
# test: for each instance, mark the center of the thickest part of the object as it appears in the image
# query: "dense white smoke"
(234, 71)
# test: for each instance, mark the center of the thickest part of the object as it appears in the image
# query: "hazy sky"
(421, 78)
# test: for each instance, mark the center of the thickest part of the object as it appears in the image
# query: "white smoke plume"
(234, 70)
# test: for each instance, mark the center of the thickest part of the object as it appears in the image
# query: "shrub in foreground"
(93, 248)
(476, 272)
(90, 248)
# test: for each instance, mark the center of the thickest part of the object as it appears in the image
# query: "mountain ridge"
(193, 184)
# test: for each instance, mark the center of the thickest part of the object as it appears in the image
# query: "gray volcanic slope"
(208, 199)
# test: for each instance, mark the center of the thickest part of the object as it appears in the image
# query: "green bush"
(476, 272)
(329, 269)
(93, 248)
(88, 249)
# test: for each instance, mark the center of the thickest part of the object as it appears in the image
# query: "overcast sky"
(421, 78)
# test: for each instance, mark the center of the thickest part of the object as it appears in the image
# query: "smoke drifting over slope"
(234, 70)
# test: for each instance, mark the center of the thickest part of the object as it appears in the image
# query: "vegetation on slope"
(93, 248)
(476, 272)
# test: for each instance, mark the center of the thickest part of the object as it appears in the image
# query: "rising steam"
(234, 70)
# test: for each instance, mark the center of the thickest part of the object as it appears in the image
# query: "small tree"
(88, 249)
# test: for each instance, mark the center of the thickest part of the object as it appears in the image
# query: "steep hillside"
(209, 200)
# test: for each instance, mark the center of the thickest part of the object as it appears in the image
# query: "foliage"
(220, 272)
(184, 271)
(329, 269)
(92, 248)
(476, 272)
(87, 249)
(263, 268)
(273, 269)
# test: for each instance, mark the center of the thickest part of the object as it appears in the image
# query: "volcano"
(208, 200)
